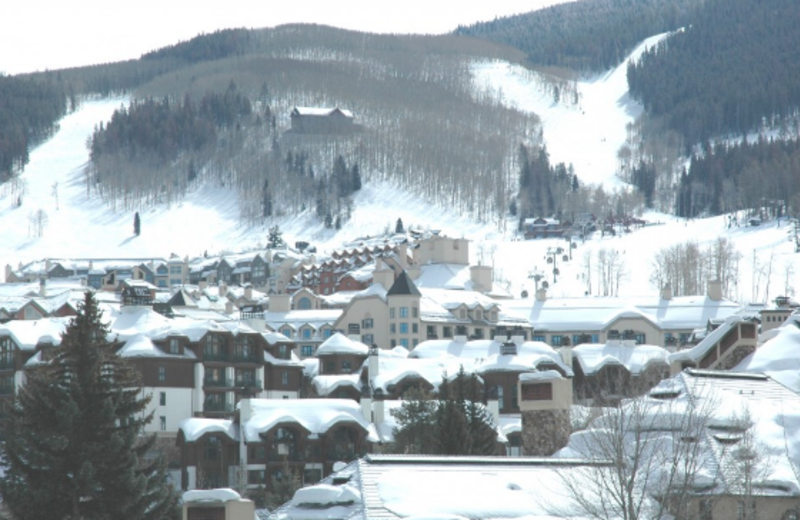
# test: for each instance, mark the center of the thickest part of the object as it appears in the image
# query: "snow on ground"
(587, 134)
(206, 220)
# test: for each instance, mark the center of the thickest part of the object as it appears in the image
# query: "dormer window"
(174, 346)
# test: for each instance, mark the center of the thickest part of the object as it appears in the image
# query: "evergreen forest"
(588, 35)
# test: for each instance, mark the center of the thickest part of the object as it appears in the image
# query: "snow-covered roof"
(211, 495)
(440, 488)
(195, 427)
(341, 344)
(635, 358)
(697, 352)
(778, 357)
(592, 313)
(316, 416)
(316, 111)
(26, 334)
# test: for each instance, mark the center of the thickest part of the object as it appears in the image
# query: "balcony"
(250, 384)
(219, 382)
(245, 358)
(218, 407)
(216, 356)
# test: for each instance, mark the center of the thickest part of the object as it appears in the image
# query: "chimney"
(541, 295)
(223, 289)
(666, 292)
(42, 287)
(366, 402)
(202, 285)
(374, 365)
(9, 272)
(715, 290)
(544, 401)
(279, 303)
(566, 355)
(383, 274)
(229, 307)
(481, 276)
(248, 293)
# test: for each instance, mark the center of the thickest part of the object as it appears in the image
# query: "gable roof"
(403, 286)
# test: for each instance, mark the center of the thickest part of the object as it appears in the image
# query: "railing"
(218, 407)
(216, 356)
(250, 383)
(217, 381)
(245, 358)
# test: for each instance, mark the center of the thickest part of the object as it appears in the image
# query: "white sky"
(53, 34)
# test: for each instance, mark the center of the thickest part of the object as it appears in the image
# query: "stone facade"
(544, 432)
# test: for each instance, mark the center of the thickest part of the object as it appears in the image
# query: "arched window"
(304, 303)
(284, 445)
(342, 445)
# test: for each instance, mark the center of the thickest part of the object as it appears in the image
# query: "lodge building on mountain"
(308, 120)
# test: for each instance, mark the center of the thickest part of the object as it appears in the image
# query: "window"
(640, 339)
(367, 323)
(174, 346)
(404, 328)
(175, 269)
(415, 328)
(213, 448)
(415, 342)
(285, 378)
(462, 313)
(414, 312)
(286, 331)
(391, 312)
(500, 403)
(369, 339)
(304, 303)
(347, 367)
(163, 423)
(257, 476)
(478, 333)
(307, 350)
(539, 337)
(283, 352)
(447, 332)
(312, 476)
(478, 314)
(329, 367)
(306, 333)
(392, 328)
(162, 399)
(257, 453)
(404, 312)
(326, 333)
(555, 340)
(162, 373)
(404, 342)
(6, 353)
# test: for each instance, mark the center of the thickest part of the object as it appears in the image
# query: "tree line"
(585, 35)
(453, 423)
(29, 110)
(725, 178)
(731, 70)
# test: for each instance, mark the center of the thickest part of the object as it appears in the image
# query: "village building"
(313, 120)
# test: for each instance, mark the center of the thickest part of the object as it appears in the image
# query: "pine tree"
(398, 228)
(275, 238)
(413, 433)
(137, 224)
(70, 445)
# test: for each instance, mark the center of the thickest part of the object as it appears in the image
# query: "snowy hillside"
(587, 135)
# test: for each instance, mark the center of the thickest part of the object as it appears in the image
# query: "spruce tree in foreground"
(70, 445)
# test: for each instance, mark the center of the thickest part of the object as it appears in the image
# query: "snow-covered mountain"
(75, 223)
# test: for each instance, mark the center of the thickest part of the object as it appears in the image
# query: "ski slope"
(587, 135)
